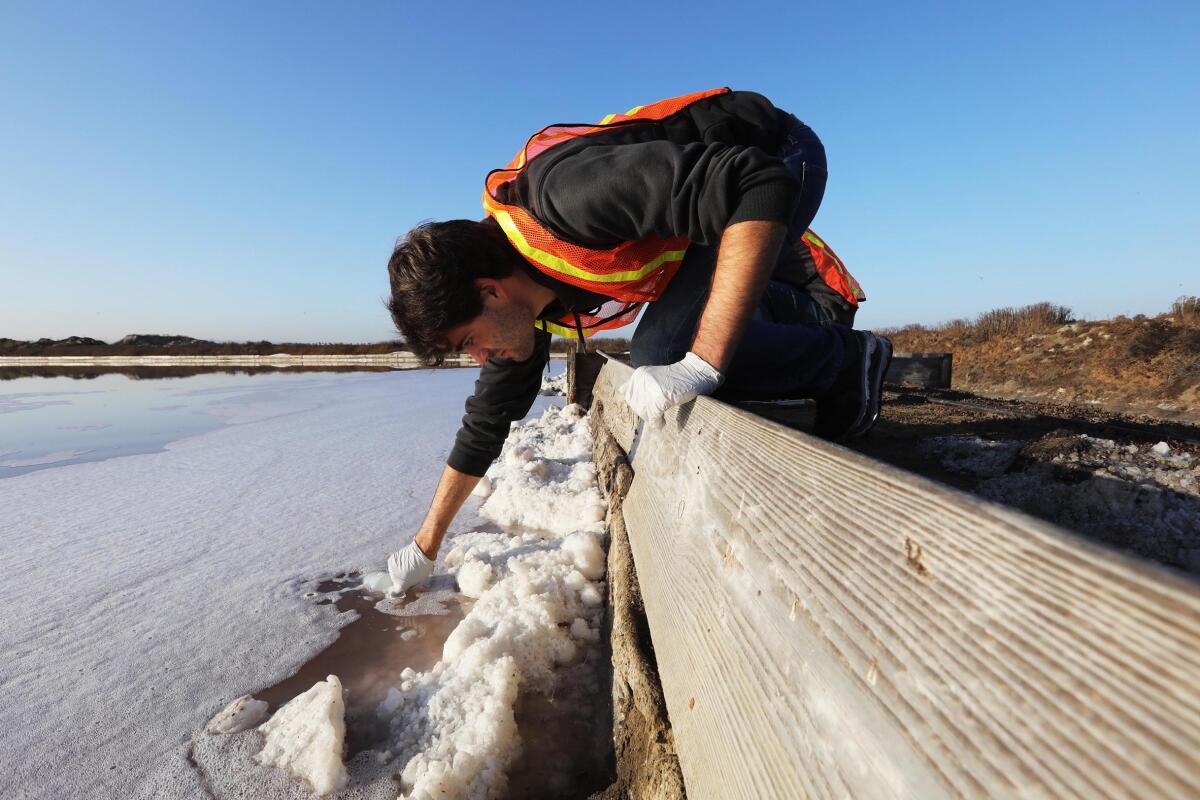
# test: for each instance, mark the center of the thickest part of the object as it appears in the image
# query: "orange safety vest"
(632, 272)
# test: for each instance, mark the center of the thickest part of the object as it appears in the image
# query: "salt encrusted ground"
(142, 594)
(533, 629)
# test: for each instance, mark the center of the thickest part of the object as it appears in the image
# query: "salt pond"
(54, 421)
(142, 593)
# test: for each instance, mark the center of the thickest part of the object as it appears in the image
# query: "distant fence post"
(927, 370)
(582, 369)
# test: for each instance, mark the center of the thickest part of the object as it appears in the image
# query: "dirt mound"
(1148, 365)
(159, 340)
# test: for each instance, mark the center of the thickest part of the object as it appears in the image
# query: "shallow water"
(54, 420)
(48, 422)
(369, 655)
(566, 740)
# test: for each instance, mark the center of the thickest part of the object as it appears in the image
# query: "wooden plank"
(647, 766)
(608, 406)
(829, 626)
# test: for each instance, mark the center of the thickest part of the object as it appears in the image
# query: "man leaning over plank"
(697, 207)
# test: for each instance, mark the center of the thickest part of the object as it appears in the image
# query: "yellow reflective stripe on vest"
(551, 261)
(610, 117)
(559, 330)
(812, 237)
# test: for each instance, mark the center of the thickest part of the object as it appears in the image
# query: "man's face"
(504, 329)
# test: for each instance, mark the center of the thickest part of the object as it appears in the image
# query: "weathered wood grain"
(647, 767)
(829, 626)
(617, 417)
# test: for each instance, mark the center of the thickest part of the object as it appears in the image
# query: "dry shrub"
(1187, 310)
(957, 328)
(907, 330)
(1037, 318)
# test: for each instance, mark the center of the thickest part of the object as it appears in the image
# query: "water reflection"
(54, 421)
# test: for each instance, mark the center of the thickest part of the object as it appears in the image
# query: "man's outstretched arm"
(504, 392)
(452, 491)
(414, 564)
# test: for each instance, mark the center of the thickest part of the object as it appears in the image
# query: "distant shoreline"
(175, 347)
(393, 360)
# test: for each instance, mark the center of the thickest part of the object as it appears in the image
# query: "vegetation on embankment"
(172, 345)
(1145, 364)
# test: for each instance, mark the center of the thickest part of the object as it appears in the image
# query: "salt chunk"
(1162, 450)
(408, 635)
(240, 715)
(306, 736)
(463, 637)
(475, 578)
(378, 582)
(563, 650)
(538, 469)
(586, 553)
(581, 631)
(575, 580)
(590, 596)
(519, 455)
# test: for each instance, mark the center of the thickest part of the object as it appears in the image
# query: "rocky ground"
(1132, 482)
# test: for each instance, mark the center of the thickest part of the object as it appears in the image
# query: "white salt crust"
(545, 479)
(451, 732)
(240, 715)
(143, 593)
(306, 736)
(537, 609)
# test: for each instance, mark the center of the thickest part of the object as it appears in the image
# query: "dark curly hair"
(432, 273)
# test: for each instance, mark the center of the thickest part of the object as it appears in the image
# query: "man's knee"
(649, 349)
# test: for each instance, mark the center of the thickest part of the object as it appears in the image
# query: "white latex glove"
(652, 390)
(408, 568)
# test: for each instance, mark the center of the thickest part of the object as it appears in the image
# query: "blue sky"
(240, 170)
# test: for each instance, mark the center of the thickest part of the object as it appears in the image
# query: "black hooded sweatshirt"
(693, 174)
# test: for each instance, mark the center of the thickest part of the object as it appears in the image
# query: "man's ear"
(490, 287)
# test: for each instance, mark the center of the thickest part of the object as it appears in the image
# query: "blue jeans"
(790, 348)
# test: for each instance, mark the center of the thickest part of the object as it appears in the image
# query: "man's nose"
(480, 354)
